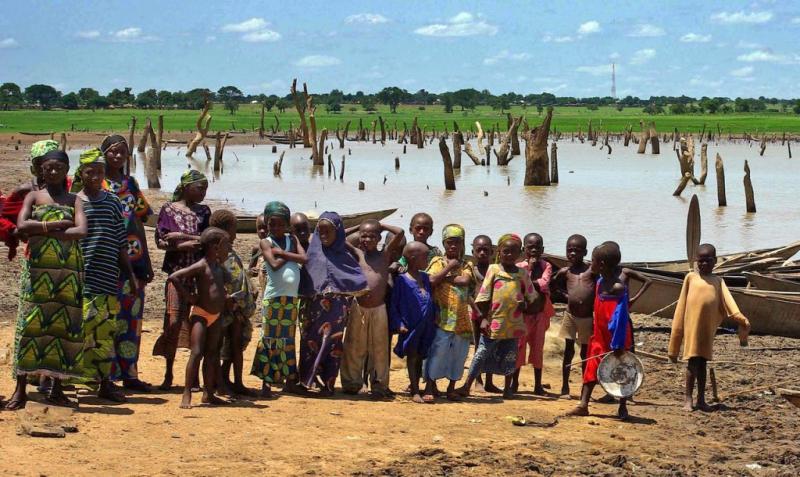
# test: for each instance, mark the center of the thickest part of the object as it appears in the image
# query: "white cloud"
(742, 17)
(647, 30)
(589, 27)
(748, 45)
(506, 55)
(275, 86)
(743, 71)
(130, 35)
(767, 56)
(317, 61)
(795, 21)
(697, 81)
(89, 35)
(211, 39)
(599, 70)
(462, 24)
(366, 18)
(613, 56)
(8, 43)
(695, 38)
(261, 36)
(557, 39)
(643, 56)
(253, 24)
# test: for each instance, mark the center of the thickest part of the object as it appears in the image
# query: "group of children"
(86, 264)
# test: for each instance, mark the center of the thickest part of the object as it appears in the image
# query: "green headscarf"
(506, 238)
(191, 176)
(453, 230)
(40, 148)
(277, 208)
(90, 156)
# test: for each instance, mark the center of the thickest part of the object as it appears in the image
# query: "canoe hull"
(771, 283)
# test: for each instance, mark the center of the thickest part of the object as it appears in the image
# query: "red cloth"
(10, 207)
(600, 342)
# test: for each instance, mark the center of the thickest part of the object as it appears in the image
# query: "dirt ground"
(753, 433)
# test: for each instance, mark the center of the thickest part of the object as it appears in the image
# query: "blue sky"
(660, 48)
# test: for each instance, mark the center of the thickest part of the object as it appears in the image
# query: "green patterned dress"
(49, 335)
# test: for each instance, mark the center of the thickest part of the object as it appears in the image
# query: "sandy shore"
(753, 433)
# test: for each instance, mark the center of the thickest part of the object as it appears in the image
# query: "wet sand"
(150, 435)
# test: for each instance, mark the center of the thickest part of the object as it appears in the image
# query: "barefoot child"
(613, 329)
(536, 325)
(421, 228)
(52, 219)
(453, 282)
(237, 330)
(257, 265)
(367, 336)
(412, 314)
(105, 255)
(275, 360)
(703, 304)
(482, 253)
(577, 284)
(301, 228)
(506, 293)
(208, 277)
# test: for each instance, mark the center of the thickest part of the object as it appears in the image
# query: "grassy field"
(566, 119)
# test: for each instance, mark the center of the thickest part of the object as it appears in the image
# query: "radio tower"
(613, 81)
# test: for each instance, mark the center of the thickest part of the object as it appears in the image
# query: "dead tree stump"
(703, 164)
(458, 141)
(720, 168)
(554, 163)
(301, 107)
(202, 125)
(449, 178)
(537, 168)
(749, 198)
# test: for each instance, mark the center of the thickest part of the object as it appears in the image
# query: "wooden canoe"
(771, 282)
(246, 224)
(770, 313)
(791, 395)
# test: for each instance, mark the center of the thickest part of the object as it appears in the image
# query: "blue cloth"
(331, 269)
(447, 356)
(620, 321)
(285, 280)
(416, 311)
(494, 356)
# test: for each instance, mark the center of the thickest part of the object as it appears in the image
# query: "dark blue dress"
(414, 309)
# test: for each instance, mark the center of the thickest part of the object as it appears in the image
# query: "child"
(613, 329)
(506, 293)
(421, 228)
(53, 221)
(412, 314)
(703, 304)
(453, 282)
(577, 284)
(257, 266)
(537, 324)
(482, 252)
(275, 360)
(301, 228)
(331, 280)
(237, 330)
(206, 306)
(105, 254)
(367, 336)
(180, 223)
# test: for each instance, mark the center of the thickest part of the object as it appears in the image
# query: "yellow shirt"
(453, 302)
(506, 292)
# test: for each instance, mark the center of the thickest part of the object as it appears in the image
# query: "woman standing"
(49, 336)
(180, 224)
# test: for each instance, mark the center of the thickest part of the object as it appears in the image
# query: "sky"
(708, 48)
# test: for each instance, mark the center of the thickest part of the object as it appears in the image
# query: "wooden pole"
(748, 189)
(720, 168)
(554, 163)
(449, 178)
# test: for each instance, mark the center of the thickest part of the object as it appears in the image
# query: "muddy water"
(624, 196)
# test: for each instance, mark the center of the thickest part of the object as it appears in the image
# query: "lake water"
(626, 197)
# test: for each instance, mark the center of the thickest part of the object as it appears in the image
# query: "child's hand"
(171, 236)
(744, 332)
(403, 330)
(452, 264)
(484, 325)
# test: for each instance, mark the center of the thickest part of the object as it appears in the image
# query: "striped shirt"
(105, 237)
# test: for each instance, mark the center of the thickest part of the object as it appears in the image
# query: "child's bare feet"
(186, 402)
(508, 393)
(491, 388)
(210, 398)
(16, 402)
(167, 383)
(417, 399)
(579, 411)
(703, 406)
(622, 413)
(462, 391)
(687, 405)
(266, 391)
(429, 398)
(539, 391)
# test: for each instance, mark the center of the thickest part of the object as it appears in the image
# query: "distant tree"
(86, 95)
(42, 95)
(164, 99)
(10, 96)
(119, 97)
(741, 105)
(620, 107)
(98, 102)
(677, 108)
(333, 106)
(710, 105)
(726, 109)
(501, 102)
(423, 97)
(591, 107)
(147, 99)
(282, 104)
(270, 102)
(393, 96)
(796, 107)
(466, 98)
(230, 96)
(447, 101)
(70, 101)
(539, 109)
(654, 108)
(368, 103)
(196, 98)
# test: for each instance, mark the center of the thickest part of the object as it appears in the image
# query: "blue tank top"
(284, 281)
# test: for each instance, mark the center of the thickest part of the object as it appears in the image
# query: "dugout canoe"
(246, 224)
(769, 312)
(772, 283)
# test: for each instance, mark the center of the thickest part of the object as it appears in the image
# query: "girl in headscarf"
(275, 359)
(506, 293)
(49, 336)
(180, 224)
(331, 280)
(12, 204)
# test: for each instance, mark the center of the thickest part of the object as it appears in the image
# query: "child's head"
(91, 171)
(421, 227)
(416, 255)
(482, 249)
(369, 234)
(606, 258)
(534, 245)
(277, 215)
(38, 150)
(261, 227)
(509, 248)
(215, 244)
(327, 232)
(576, 249)
(453, 241)
(54, 167)
(706, 258)
(301, 227)
(192, 187)
(115, 151)
(226, 220)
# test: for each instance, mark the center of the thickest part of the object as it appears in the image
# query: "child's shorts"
(576, 329)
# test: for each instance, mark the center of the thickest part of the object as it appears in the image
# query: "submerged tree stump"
(276, 168)
(554, 163)
(458, 141)
(301, 107)
(645, 133)
(449, 178)
(682, 185)
(703, 164)
(749, 198)
(468, 150)
(537, 167)
(720, 168)
(654, 146)
(202, 125)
